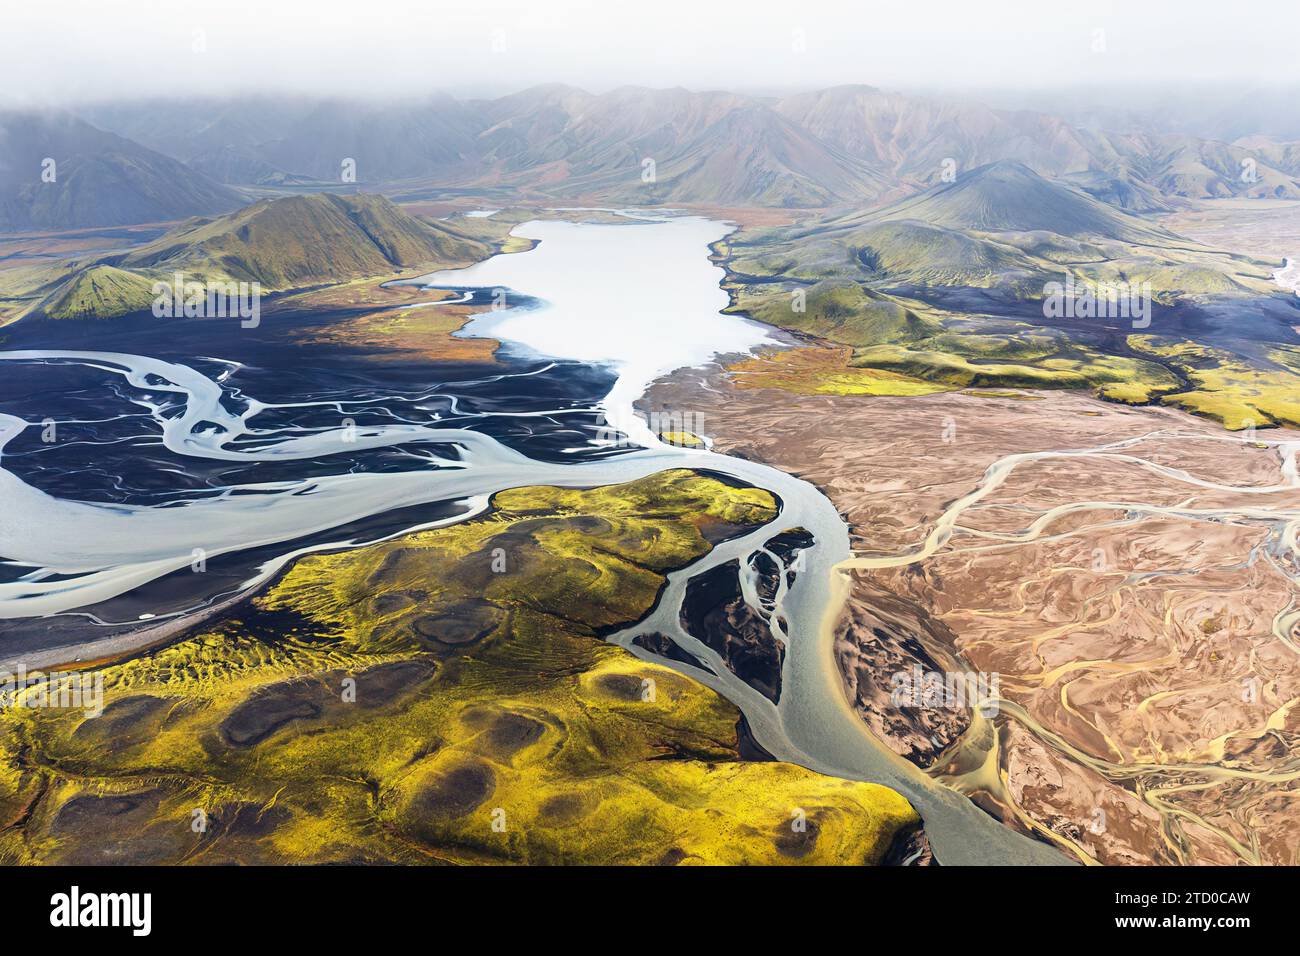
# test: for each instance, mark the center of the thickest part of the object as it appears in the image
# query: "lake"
(641, 298)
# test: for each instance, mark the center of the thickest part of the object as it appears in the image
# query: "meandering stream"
(639, 300)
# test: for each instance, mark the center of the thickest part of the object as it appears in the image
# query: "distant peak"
(851, 88)
(1002, 169)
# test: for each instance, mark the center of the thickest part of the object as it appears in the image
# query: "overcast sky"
(91, 49)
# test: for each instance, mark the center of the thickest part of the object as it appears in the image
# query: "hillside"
(1010, 197)
(1001, 225)
(751, 155)
(270, 140)
(948, 289)
(844, 311)
(845, 144)
(282, 244)
(299, 240)
(100, 291)
(99, 178)
(912, 136)
(1122, 191)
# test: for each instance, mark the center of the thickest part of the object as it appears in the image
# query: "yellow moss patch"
(1229, 390)
(1129, 393)
(440, 698)
(682, 439)
(825, 371)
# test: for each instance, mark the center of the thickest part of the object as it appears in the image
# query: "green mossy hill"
(440, 698)
(882, 282)
(840, 311)
(1059, 363)
(1010, 197)
(1231, 391)
(301, 240)
(99, 292)
(894, 251)
(281, 244)
(919, 350)
(1000, 226)
(918, 346)
(923, 254)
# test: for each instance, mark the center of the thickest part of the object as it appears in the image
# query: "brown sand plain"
(1130, 575)
(1257, 227)
(395, 322)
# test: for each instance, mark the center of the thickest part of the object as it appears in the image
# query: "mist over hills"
(1221, 112)
(270, 141)
(930, 232)
(59, 172)
(848, 144)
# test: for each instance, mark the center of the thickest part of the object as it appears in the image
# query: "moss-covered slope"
(441, 698)
(280, 244)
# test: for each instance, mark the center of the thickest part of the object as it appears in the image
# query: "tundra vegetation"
(441, 698)
(949, 290)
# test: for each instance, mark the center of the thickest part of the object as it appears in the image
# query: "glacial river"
(633, 300)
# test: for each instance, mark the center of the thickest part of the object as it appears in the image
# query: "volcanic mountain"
(843, 145)
(1010, 197)
(999, 224)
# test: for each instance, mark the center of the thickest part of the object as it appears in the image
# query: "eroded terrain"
(1129, 575)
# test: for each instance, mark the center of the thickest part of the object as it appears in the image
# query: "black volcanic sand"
(220, 577)
(125, 723)
(1243, 325)
(107, 447)
(94, 829)
(312, 700)
(453, 793)
(667, 648)
(95, 407)
(714, 611)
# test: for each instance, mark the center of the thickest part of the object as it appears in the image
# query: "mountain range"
(59, 172)
(848, 145)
